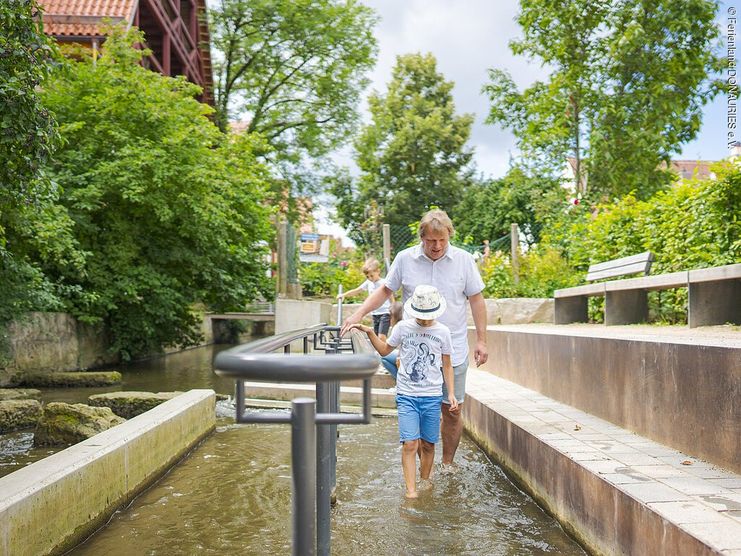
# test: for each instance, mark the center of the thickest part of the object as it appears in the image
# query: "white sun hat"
(426, 303)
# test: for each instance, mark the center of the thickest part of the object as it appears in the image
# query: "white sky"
(468, 37)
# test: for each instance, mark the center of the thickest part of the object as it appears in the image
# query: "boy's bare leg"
(451, 431)
(426, 459)
(409, 466)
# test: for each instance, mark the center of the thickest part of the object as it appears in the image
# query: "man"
(454, 272)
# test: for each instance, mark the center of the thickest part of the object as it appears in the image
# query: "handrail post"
(339, 306)
(324, 455)
(303, 460)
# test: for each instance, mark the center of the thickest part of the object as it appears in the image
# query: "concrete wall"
(54, 342)
(683, 395)
(519, 310)
(606, 518)
(53, 504)
(292, 314)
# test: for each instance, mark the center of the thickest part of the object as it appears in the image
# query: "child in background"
(425, 348)
(381, 317)
(390, 362)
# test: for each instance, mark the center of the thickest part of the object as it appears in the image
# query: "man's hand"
(480, 354)
(454, 409)
(355, 318)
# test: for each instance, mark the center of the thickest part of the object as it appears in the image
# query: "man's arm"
(478, 312)
(449, 379)
(373, 301)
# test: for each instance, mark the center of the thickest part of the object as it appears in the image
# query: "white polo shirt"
(454, 274)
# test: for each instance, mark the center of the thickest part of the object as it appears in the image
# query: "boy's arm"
(380, 346)
(350, 293)
(450, 383)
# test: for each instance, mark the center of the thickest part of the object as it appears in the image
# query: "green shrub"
(542, 270)
(693, 224)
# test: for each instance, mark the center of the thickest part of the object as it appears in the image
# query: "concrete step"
(617, 492)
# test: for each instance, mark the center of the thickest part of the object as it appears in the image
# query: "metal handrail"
(255, 361)
(313, 476)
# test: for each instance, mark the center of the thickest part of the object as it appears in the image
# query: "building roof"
(74, 18)
(689, 169)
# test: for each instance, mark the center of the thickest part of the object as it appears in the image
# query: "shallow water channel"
(232, 492)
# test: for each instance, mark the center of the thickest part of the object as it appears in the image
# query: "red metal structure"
(175, 30)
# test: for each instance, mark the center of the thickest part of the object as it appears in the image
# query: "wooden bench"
(714, 293)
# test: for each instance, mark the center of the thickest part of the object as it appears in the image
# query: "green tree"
(166, 208)
(32, 227)
(295, 70)
(627, 83)
(488, 208)
(27, 132)
(413, 154)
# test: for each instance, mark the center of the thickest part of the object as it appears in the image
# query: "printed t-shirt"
(420, 352)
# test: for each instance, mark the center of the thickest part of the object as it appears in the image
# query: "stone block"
(19, 414)
(72, 379)
(19, 393)
(130, 404)
(64, 423)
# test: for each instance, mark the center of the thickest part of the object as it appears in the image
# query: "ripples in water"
(232, 494)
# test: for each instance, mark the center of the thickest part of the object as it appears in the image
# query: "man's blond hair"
(435, 221)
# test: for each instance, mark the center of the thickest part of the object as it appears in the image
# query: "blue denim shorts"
(419, 417)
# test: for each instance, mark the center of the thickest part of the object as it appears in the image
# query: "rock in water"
(19, 414)
(19, 393)
(130, 404)
(64, 423)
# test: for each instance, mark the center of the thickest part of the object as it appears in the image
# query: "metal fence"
(313, 422)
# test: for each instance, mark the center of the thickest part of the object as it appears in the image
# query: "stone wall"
(679, 391)
(56, 342)
(42, 342)
(498, 311)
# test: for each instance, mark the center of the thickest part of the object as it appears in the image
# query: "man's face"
(435, 243)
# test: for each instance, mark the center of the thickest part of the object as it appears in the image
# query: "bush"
(167, 210)
(323, 279)
(694, 224)
(542, 270)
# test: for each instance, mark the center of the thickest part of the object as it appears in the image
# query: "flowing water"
(232, 493)
(184, 370)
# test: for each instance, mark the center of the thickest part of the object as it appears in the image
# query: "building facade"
(176, 31)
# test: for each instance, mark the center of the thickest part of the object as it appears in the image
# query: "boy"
(381, 317)
(425, 348)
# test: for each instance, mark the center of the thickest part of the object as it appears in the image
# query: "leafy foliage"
(32, 228)
(488, 209)
(627, 86)
(27, 132)
(695, 224)
(413, 154)
(294, 69)
(542, 270)
(165, 207)
(323, 279)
